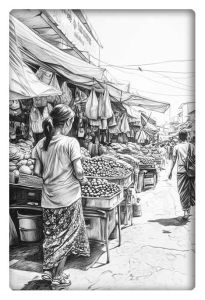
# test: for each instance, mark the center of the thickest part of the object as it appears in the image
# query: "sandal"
(47, 276)
(61, 281)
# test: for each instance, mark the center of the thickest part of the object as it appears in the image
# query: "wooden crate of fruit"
(124, 181)
(103, 202)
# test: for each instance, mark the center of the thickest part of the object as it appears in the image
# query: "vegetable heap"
(20, 157)
(99, 188)
(100, 167)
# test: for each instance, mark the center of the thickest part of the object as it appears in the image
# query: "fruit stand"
(99, 211)
(115, 171)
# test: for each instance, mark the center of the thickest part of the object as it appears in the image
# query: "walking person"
(185, 178)
(163, 155)
(58, 162)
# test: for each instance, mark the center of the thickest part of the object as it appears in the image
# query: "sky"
(161, 43)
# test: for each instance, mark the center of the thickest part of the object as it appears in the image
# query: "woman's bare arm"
(78, 170)
(38, 168)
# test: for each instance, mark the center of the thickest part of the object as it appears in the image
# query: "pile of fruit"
(85, 152)
(20, 157)
(146, 160)
(99, 188)
(100, 167)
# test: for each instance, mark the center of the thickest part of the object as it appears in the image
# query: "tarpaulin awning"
(35, 50)
(23, 83)
(53, 56)
(147, 104)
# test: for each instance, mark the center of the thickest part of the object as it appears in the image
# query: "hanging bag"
(190, 163)
(91, 108)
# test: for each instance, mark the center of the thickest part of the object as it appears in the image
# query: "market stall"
(107, 125)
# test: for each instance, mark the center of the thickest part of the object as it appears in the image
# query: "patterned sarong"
(64, 234)
(186, 188)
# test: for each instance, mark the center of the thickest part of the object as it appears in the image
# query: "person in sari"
(58, 162)
(186, 184)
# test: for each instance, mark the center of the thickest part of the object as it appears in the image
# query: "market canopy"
(51, 55)
(146, 103)
(35, 50)
(23, 83)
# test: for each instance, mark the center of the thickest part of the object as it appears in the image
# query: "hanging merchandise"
(14, 107)
(46, 112)
(66, 96)
(55, 84)
(40, 101)
(105, 109)
(36, 120)
(44, 75)
(112, 122)
(124, 127)
(91, 108)
(115, 129)
(81, 129)
(26, 104)
(103, 124)
(12, 130)
(95, 123)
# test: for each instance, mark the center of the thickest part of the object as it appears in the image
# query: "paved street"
(157, 252)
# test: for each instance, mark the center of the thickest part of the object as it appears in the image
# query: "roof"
(185, 104)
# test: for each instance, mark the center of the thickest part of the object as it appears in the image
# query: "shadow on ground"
(179, 221)
(42, 285)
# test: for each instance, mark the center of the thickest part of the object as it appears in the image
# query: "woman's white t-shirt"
(60, 187)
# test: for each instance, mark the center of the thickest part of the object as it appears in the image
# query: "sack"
(91, 108)
(190, 163)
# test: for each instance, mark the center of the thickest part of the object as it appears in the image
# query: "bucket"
(136, 207)
(30, 226)
(30, 235)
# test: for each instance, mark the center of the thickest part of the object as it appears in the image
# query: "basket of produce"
(101, 193)
(30, 180)
(20, 157)
(108, 168)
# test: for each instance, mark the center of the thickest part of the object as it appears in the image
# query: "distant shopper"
(163, 153)
(183, 152)
(58, 162)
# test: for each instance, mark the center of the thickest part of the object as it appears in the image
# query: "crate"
(103, 202)
(30, 181)
(124, 182)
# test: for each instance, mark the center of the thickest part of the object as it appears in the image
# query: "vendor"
(58, 162)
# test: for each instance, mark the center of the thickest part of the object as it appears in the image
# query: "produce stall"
(115, 171)
(100, 199)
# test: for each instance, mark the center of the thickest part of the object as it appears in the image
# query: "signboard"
(75, 31)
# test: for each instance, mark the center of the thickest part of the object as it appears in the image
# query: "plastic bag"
(112, 122)
(91, 108)
(124, 127)
(36, 120)
(55, 84)
(44, 75)
(105, 109)
(66, 96)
